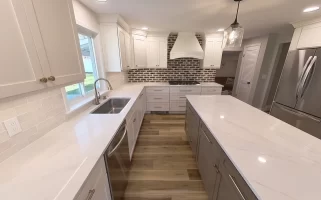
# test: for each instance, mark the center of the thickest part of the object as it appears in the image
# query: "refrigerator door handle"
(299, 114)
(307, 77)
(298, 88)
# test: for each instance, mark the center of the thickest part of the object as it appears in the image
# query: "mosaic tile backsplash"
(178, 69)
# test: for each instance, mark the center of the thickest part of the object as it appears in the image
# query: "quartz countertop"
(55, 166)
(278, 161)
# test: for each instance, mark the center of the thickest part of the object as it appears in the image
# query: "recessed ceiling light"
(311, 9)
(145, 28)
(220, 30)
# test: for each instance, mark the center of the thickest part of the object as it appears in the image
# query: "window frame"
(84, 95)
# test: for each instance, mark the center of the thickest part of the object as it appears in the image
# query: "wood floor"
(163, 166)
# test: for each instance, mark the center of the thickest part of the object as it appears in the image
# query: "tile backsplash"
(37, 113)
(177, 69)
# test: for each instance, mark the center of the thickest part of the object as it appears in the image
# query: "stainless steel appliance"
(118, 163)
(179, 82)
(298, 97)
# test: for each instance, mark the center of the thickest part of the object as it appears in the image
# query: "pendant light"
(233, 35)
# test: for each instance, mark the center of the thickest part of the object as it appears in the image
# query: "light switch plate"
(13, 126)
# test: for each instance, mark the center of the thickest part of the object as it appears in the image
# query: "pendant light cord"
(237, 13)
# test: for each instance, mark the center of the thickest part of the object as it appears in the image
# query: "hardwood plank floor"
(163, 165)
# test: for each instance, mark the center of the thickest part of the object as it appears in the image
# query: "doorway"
(226, 74)
(248, 66)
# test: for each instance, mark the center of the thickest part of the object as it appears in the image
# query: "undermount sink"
(112, 106)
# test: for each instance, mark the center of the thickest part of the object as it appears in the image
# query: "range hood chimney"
(187, 46)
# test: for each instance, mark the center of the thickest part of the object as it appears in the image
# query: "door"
(58, 44)
(152, 53)
(206, 164)
(209, 54)
(163, 53)
(307, 123)
(101, 188)
(247, 70)
(309, 100)
(140, 52)
(293, 71)
(118, 163)
(20, 66)
(123, 54)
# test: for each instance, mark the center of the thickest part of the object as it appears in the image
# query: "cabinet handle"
(158, 107)
(158, 90)
(235, 185)
(141, 95)
(182, 97)
(207, 138)
(51, 78)
(216, 168)
(158, 98)
(185, 90)
(43, 80)
(182, 106)
(91, 194)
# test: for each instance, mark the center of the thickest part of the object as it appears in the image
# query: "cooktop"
(178, 82)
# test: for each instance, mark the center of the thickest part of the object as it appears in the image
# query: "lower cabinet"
(96, 186)
(134, 121)
(191, 126)
(221, 179)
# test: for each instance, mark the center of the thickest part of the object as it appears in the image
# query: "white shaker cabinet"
(213, 53)
(156, 52)
(310, 36)
(140, 51)
(39, 52)
(116, 47)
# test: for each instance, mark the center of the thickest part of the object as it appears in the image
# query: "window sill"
(82, 105)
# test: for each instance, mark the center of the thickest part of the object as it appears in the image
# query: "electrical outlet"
(13, 126)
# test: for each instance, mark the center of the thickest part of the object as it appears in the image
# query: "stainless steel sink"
(112, 106)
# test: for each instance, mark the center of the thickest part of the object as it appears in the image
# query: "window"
(80, 90)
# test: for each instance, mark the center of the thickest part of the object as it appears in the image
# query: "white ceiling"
(256, 16)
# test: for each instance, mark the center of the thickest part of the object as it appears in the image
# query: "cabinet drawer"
(178, 106)
(92, 179)
(157, 90)
(178, 97)
(231, 175)
(185, 90)
(157, 106)
(158, 98)
(211, 90)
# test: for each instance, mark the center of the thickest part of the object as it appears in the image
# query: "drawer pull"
(207, 138)
(91, 194)
(235, 185)
(185, 90)
(158, 98)
(157, 107)
(157, 90)
(182, 97)
(182, 106)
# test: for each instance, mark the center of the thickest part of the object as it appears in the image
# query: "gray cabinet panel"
(192, 125)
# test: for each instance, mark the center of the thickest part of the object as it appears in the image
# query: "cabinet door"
(59, 40)
(310, 37)
(213, 53)
(20, 66)
(207, 165)
(226, 191)
(101, 191)
(140, 52)
(192, 121)
(131, 135)
(128, 49)
(152, 53)
(163, 54)
(123, 51)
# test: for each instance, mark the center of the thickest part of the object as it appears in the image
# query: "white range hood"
(187, 46)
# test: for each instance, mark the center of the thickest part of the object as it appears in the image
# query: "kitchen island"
(250, 154)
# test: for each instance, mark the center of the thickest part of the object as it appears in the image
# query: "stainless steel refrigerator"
(298, 97)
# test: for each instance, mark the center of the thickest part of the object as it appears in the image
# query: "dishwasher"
(118, 163)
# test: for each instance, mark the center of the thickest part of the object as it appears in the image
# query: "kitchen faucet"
(97, 95)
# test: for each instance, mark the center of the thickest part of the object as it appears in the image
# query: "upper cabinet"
(306, 35)
(39, 52)
(156, 52)
(213, 52)
(116, 43)
(140, 57)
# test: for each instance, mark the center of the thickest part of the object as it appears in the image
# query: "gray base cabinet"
(221, 179)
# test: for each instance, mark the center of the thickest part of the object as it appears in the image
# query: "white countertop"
(292, 170)
(55, 166)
